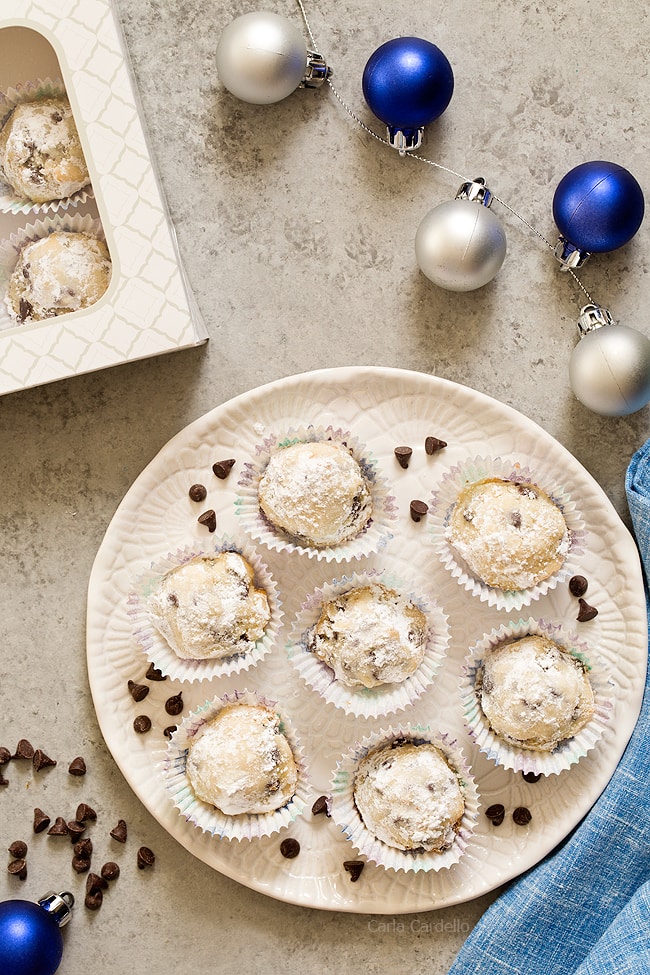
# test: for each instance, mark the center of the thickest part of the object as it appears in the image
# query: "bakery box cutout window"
(54, 259)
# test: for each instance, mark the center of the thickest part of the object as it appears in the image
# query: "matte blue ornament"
(30, 937)
(598, 207)
(408, 83)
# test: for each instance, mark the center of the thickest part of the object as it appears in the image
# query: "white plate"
(383, 408)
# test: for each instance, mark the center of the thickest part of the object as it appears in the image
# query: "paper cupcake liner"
(371, 539)
(208, 818)
(11, 247)
(346, 816)
(363, 701)
(156, 648)
(526, 760)
(33, 91)
(443, 500)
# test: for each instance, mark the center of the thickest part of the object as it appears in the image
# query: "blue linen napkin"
(585, 910)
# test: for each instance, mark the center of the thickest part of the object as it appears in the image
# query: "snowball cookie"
(534, 693)
(58, 274)
(369, 636)
(241, 762)
(511, 535)
(408, 796)
(316, 492)
(40, 154)
(209, 608)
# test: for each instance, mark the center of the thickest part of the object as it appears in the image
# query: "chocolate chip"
(145, 858)
(531, 776)
(3, 781)
(41, 820)
(223, 468)
(94, 901)
(354, 868)
(5, 755)
(403, 455)
(174, 704)
(119, 832)
(18, 849)
(515, 519)
(18, 868)
(84, 847)
(80, 864)
(75, 829)
(198, 492)
(496, 813)
(77, 767)
(578, 585)
(25, 309)
(418, 509)
(95, 884)
(169, 730)
(110, 870)
(432, 445)
(24, 750)
(85, 813)
(522, 816)
(209, 519)
(142, 724)
(137, 691)
(289, 848)
(154, 673)
(58, 828)
(586, 612)
(322, 805)
(41, 760)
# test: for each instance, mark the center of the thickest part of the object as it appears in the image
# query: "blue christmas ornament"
(30, 937)
(598, 207)
(407, 83)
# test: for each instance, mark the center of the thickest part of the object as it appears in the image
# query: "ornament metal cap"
(475, 190)
(317, 71)
(593, 316)
(404, 140)
(569, 256)
(58, 906)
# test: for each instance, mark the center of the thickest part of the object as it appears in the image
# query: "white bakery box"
(148, 308)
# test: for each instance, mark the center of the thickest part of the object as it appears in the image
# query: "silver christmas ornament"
(262, 58)
(609, 369)
(460, 245)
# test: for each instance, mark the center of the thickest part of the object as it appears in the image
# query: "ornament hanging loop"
(316, 71)
(592, 317)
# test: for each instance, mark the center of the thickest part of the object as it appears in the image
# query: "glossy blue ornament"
(30, 937)
(407, 83)
(598, 207)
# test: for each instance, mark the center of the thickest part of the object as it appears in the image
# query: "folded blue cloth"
(585, 910)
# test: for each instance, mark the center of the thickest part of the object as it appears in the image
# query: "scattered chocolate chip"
(84, 847)
(496, 813)
(41, 820)
(5, 755)
(77, 767)
(110, 870)
(522, 816)
(289, 848)
(94, 901)
(154, 673)
(169, 730)
(18, 849)
(145, 858)
(80, 864)
(95, 883)
(322, 805)
(137, 691)
(3, 781)
(18, 868)
(198, 492)
(24, 750)
(578, 585)
(209, 519)
(174, 704)
(531, 776)
(403, 455)
(418, 509)
(432, 445)
(354, 868)
(58, 828)
(41, 760)
(223, 468)
(75, 829)
(119, 832)
(586, 612)
(142, 724)
(85, 813)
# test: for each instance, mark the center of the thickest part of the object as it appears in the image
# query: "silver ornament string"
(430, 162)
